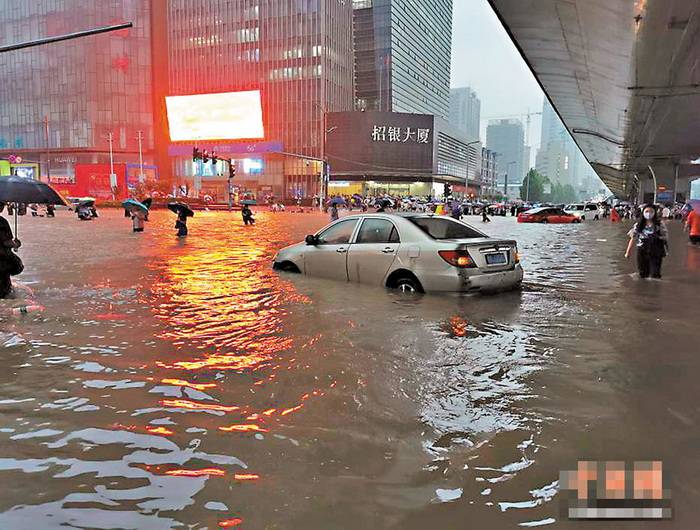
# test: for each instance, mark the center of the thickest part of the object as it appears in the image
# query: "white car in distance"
(584, 211)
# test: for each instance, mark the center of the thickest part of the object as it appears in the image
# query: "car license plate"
(496, 259)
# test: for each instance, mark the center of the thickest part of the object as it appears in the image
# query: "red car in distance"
(547, 214)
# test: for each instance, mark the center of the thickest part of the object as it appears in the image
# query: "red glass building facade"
(298, 53)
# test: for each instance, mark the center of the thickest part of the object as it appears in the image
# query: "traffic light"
(196, 155)
(448, 190)
(205, 156)
(214, 158)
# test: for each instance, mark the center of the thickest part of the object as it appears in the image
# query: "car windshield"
(442, 228)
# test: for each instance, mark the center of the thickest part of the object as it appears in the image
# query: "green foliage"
(535, 182)
(563, 193)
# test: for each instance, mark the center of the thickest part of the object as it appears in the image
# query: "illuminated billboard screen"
(222, 116)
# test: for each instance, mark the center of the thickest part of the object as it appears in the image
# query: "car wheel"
(287, 266)
(583, 218)
(596, 218)
(408, 285)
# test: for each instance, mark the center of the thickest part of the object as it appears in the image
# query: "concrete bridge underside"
(624, 76)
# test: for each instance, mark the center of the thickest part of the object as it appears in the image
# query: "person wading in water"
(651, 237)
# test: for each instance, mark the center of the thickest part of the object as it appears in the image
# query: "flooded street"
(185, 384)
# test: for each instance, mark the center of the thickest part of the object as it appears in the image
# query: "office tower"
(465, 111)
(66, 98)
(297, 53)
(402, 55)
(506, 139)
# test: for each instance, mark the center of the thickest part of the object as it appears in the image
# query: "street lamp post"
(140, 139)
(112, 176)
(48, 146)
(527, 193)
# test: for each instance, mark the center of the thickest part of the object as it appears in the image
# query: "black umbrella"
(177, 207)
(147, 202)
(21, 190)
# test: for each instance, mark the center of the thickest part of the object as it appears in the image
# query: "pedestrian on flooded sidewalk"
(692, 225)
(651, 238)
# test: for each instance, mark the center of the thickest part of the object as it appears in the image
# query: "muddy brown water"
(185, 384)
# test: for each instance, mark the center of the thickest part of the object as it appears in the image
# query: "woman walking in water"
(651, 238)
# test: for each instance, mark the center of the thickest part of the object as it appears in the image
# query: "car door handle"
(388, 250)
(340, 250)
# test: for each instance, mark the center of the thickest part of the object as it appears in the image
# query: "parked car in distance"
(411, 252)
(583, 211)
(547, 215)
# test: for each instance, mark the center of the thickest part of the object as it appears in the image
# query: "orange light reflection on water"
(209, 471)
(180, 382)
(246, 476)
(244, 427)
(230, 523)
(193, 405)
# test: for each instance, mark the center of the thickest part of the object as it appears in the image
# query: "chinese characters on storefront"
(385, 133)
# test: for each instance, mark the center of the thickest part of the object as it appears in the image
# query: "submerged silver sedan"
(413, 253)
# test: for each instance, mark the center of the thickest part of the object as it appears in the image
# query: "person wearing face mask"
(651, 237)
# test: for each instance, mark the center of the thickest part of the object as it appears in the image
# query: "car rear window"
(443, 228)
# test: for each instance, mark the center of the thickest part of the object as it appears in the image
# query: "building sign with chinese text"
(389, 133)
(364, 145)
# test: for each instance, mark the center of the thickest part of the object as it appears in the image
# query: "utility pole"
(140, 139)
(48, 155)
(527, 193)
(112, 176)
(324, 162)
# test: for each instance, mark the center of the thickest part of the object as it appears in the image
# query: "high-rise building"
(465, 111)
(298, 53)
(558, 158)
(402, 55)
(506, 139)
(60, 102)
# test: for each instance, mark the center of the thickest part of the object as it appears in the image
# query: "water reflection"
(184, 383)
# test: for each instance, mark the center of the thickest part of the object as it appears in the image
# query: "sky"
(484, 58)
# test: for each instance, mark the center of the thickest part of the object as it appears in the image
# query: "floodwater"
(184, 384)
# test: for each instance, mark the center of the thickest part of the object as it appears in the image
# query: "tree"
(535, 182)
(563, 193)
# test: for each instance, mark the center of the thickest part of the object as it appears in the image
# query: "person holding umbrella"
(247, 214)
(138, 212)
(183, 212)
(10, 263)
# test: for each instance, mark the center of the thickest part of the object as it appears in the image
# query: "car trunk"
(490, 255)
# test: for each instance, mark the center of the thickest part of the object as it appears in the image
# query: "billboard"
(91, 180)
(221, 116)
(380, 143)
(27, 171)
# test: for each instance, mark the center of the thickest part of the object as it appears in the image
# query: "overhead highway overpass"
(624, 76)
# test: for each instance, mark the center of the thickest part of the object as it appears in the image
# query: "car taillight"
(516, 256)
(457, 258)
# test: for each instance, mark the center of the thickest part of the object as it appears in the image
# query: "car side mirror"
(311, 240)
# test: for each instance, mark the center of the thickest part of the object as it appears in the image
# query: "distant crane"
(528, 119)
